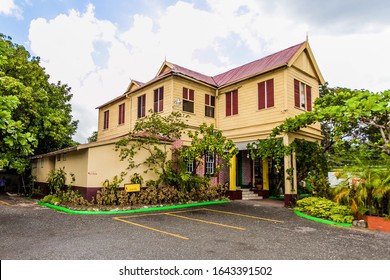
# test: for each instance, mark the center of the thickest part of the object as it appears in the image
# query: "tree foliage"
(154, 135)
(208, 140)
(347, 116)
(43, 112)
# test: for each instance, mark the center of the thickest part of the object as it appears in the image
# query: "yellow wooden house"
(245, 103)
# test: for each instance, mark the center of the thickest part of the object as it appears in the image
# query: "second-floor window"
(209, 105)
(302, 96)
(121, 116)
(232, 103)
(265, 94)
(106, 119)
(159, 99)
(141, 106)
(188, 100)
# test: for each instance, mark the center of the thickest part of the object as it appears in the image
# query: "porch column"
(265, 178)
(233, 173)
(290, 174)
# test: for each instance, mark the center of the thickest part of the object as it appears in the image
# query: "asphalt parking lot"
(236, 230)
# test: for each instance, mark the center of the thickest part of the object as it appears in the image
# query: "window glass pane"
(188, 106)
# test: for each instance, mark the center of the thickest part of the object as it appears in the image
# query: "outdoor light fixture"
(177, 102)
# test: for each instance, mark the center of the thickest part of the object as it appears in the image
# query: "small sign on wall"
(132, 187)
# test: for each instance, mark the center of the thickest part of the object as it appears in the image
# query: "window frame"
(158, 100)
(302, 96)
(210, 164)
(121, 114)
(188, 99)
(106, 119)
(231, 103)
(266, 94)
(141, 106)
(209, 105)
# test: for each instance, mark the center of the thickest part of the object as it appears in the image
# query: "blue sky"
(97, 46)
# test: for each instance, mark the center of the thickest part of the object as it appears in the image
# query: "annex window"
(190, 166)
(42, 162)
(58, 157)
(265, 94)
(159, 99)
(232, 103)
(302, 96)
(210, 163)
(106, 119)
(188, 100)
(209, 105)
(121, 116)
(141, 106)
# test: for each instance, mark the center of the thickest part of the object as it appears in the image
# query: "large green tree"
(41, 110)
(352, 117)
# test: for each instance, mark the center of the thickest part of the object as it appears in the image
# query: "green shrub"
(47, 198)
(325, 209)
(55, 200)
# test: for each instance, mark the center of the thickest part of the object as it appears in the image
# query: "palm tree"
(366, 188)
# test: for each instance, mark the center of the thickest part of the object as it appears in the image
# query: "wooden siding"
(198, 117)
(149, 93)
(294, 73)
(250, 122)
(114, 128)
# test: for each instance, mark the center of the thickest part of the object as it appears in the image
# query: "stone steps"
(249, 195)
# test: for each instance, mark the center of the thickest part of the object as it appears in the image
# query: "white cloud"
(9, 8)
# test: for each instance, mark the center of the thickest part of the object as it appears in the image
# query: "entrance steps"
(249, 195)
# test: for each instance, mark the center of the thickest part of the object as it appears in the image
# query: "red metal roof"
(258, 66)
(255, 67)
(193, 74)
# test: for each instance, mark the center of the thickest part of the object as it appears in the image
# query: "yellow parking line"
(157, 214)
(243, 215)
(204, 221)
(153, 229)
(6, 203)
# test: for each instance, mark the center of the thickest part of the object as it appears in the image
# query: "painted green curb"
(321, 220)
(139, 210)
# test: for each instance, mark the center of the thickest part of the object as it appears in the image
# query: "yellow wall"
(104, 163)
(41, 170)
(198, 117)
(114, 129)
(75, 162)
(250, 121)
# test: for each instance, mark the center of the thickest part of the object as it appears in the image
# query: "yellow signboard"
(132, 187)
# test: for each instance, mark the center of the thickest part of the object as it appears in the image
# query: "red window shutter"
(106, 119)
(212, 100)
(270, 93)
(308, 98)
(161, 107)
(121, 116)
(207, 99)
(228, 103)
(155, 107)
(185, 93)
(261, 95)
(191, 97)
(235, 102)
(296, 93)
(143, 106)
